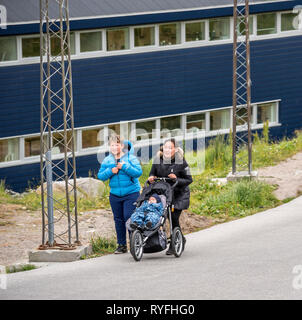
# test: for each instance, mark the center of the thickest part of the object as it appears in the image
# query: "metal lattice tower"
(241, 89)
(59, 212)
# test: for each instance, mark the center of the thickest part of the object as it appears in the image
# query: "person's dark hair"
(172, 140)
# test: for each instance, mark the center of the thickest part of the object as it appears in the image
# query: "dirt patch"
(20, 229)
(287, 175)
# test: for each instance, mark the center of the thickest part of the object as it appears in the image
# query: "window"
(266, 23)
(32, 146)
(92, 138)
(242, 26)
(9, 150)
(288, 21)
(8, 48)
(114, 129)
(30, 47)
(220, 119)
(144, 36)
(196, 122)
(145, 130)
(55, 44)
(117, 39)
(267, 112)
(170, 127)
(220, 29)
(90, 41)
(58, 142)
(242, 116)
(195, 31)
(169, 34)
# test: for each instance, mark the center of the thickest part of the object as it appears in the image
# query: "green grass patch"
(26, 267)
(100, 247)
(235, 199)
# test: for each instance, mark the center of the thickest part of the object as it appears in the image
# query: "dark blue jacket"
(126, 180)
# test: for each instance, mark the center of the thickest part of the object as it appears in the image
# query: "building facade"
(147, 71)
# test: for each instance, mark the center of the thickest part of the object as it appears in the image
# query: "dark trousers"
(122, 208)
(175, 218)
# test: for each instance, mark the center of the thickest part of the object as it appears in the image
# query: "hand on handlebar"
(172, 176)
(151, 179)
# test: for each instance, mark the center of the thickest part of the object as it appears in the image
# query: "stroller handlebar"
(165, 179)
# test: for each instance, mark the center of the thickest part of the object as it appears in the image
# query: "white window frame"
(289, 32)
(206, 30)
(20, 47)
(129, 36)
(78, 42)
(132, 37)
(180, 34)
(156, 47)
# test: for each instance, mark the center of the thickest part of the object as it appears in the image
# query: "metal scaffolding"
(241, 89)
(59, 211)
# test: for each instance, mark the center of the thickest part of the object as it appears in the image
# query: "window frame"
(181, 40)
(132, 37)
(21, 47)
(78, 42)
(206, 30)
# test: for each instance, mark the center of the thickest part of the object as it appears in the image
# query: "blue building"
(140, 65)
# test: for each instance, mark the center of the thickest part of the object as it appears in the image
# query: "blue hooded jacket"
(126, 180)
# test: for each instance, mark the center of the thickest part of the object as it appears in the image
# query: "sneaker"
(169, 252)
(149, 224)
(121, 249)
(184, 240)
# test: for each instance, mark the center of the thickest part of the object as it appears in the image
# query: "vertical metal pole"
(49, 198)
(62, 36)
(41, 122)
(248, 81)
(234, 87)
(72, 129)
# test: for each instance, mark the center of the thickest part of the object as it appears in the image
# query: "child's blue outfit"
(147, 212)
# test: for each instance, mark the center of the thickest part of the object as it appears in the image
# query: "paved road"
(251, 258)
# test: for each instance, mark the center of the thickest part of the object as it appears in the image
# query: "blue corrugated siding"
(134, 86)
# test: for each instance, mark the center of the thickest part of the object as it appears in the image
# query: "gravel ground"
(287, 175)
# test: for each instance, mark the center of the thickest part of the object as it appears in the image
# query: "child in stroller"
(154, 239)
(148, 214)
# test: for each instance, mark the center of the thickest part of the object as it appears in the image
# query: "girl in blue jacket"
(123, 169)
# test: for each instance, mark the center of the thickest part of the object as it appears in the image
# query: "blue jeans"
(122, 208)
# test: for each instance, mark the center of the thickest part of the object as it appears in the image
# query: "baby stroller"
(155, 240)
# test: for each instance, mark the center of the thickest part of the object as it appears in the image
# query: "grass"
(101, 246)
(235, 199)
(26, 267)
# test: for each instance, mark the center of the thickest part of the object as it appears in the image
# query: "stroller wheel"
(177, 242)
(136, 245)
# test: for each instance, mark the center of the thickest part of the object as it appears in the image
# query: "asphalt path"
(257, 257)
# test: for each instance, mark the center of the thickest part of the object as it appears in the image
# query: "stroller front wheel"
(136, 245)
(177, 242)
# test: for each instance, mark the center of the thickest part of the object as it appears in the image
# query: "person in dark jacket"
(123, 169)
(170, 162)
